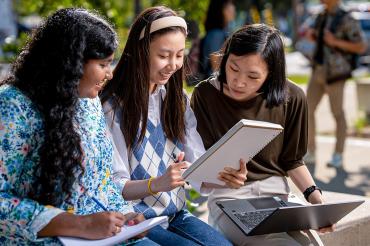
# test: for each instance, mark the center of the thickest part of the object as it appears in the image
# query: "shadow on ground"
(338, 182)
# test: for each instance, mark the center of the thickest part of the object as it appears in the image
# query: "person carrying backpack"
(338, 39)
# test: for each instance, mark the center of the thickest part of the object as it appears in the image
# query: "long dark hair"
(266, 41)
(129, 88)
(215, 18)
(48, 71)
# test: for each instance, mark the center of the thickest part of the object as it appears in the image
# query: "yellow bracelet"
(150, 189)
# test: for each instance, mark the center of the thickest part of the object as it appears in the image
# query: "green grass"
(188, 89)
(299, 79)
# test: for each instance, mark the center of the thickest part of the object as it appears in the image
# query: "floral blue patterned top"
(21, 136)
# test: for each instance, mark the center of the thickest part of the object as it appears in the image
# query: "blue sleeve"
(214, 41)
(20, 217)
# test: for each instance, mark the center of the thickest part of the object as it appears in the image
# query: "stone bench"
(353, 229)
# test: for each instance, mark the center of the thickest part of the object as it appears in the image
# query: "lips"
(237, 92)
(102, 83)
(165, 76)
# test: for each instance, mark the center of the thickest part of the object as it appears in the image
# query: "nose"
(239, 81)
(109, 74)
(175, 63)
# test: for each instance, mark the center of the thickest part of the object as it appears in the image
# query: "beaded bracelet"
(149, 187)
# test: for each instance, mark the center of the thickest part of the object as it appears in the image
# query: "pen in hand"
(175, 159)
(99, 203)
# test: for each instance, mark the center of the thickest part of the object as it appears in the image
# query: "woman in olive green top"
(251, 84)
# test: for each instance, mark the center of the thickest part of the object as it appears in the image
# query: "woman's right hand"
(101, 225)
(172, 178)
(93, 226)
(234, 179)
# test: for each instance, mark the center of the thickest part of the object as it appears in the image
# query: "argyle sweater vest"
(151, 159)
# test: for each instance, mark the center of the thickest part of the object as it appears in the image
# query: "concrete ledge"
(353, 229)
(363, 92)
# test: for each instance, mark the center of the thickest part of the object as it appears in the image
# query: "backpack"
(354, 58)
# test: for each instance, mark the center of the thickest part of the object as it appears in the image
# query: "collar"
(161, 90)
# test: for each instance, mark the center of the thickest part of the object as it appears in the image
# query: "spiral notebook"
(126, 233)
(244, 140)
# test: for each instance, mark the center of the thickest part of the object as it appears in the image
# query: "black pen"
(176, 160)
(174, 157)
(99, 203)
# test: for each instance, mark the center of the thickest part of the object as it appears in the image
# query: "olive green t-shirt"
(216, 113)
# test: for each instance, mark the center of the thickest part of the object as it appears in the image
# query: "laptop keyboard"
(252, 219)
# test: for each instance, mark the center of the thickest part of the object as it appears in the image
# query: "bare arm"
(138, 189)
(302, 178)
(214, 61)
(93, 226)
(348, 46)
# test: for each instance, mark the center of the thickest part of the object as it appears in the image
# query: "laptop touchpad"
(265, 202)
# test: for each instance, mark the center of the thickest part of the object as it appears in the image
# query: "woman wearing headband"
(55, 158)
(154, 129)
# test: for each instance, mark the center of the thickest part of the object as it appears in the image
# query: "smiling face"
(166, 57)
(244, 75)
(95, 75)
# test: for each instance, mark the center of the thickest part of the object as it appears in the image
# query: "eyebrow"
(168, 50)
(250, 72)
(110, 59)
(234, 63)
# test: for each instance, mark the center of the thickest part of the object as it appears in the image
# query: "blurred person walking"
(338, 38)
(217, 30)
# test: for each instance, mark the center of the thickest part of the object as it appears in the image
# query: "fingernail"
(130, 222)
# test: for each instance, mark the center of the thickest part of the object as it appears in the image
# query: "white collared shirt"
(193, 144)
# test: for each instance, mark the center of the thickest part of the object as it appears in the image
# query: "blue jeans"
(142, 242)
(186, 229)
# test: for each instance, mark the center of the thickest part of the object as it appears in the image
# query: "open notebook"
(244, 140)
(126, 233)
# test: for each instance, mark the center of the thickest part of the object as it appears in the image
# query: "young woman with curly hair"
(55, 157)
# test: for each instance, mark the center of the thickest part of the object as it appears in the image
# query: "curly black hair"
(48, 71)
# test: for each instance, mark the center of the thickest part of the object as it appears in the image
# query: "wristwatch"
(309, 190)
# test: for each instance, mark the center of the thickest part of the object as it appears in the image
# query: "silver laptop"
(264, 215)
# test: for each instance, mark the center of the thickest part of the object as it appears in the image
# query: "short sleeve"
(295, 130)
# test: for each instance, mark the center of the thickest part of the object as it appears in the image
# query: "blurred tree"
(119, 12)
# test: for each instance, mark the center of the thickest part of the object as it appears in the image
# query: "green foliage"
(191, 10)
(299, 79)
(193, 195)
(361, 123)
(117, 11)
(13, 48)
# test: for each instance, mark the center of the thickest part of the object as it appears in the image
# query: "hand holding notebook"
(244, 140)
(126, 233)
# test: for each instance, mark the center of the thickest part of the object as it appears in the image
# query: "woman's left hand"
(234, 179)
(316, 198)
(134, 219)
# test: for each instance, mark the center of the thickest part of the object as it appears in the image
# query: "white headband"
(165, 22)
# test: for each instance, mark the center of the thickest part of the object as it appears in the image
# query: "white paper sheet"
(127, 232)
